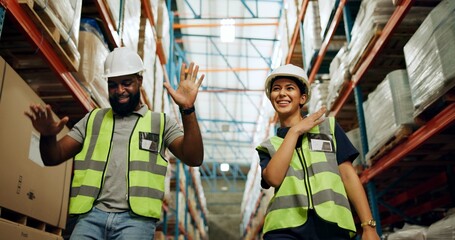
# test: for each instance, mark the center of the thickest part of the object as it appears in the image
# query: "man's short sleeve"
(172, 131)
(78, 130)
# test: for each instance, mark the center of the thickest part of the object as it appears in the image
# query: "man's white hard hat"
(122, 61)
(288, 70)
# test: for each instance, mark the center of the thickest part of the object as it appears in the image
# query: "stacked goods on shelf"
(429, 57)
(388, 113)
(355, 138)
(65, 15)
(147, 51)
(94, 51)
(443, 229)
(126, 16)
(162, 32)
(339, 76)
(291, 13)
(371, 18)
(159, 95)
(31, 194)
(319, 92)
(311, 34)
(326, 11)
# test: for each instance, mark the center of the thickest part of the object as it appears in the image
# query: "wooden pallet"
(399, 136)
(51, 33)
(435, 104)
(22, 219)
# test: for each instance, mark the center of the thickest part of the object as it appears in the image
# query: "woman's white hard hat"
(121, 62)
(288, 70)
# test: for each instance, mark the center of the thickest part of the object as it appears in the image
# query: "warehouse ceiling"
(232, 109)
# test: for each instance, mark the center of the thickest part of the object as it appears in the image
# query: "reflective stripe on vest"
(314, 182)
(146, 169)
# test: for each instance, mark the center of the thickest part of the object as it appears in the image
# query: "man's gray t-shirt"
(113, 197)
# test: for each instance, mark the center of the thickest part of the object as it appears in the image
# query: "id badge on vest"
(320, 142)
(149, 141)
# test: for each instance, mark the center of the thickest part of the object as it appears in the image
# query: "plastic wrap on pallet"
(159, 89)
(291, 14)
(444, 228)
(326, 11)
(413, 232)
(93, 52)
(66, 16)
(388, 107)
(311, 34)
(339, 73)
(149, 57)
(355, 138)
(162, 28)
(131, 23)
(373, 14)
(429, 55)
(319, 92)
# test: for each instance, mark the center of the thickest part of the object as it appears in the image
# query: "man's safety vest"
(146, 169)
(312, 181)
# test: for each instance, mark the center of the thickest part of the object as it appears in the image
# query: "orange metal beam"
(296, 33)
(108, 23)
(207, 25)
(326, 42)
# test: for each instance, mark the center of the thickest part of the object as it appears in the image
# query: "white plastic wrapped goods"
(339, 73)
(429, 55)
(388, 107)
(149, 57)
(354, 137)
(319, 91)
(443, 229)
(326, 8)
(311, 34)
(410, 232)
(372, 16)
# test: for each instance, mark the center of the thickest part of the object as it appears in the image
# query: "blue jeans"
(98, 224)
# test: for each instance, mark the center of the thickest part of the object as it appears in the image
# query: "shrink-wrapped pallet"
(148, 54)
(93, 52)
(388, 108)
(429, 56)
(444, 228)
(326, 11)
(409, 232)
(355, 138)
(311, 34)
(372, 16)
(339, 74)
(319, 91)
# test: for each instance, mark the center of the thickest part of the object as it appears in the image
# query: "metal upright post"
(177, 192)
(371, 188)
(2, 18)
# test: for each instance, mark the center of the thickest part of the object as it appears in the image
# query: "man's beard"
(124, 109)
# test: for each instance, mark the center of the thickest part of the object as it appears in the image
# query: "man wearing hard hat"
(119, 166)
(308, 163)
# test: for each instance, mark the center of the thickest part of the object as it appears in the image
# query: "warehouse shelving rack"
(394, 180)
(80, 102)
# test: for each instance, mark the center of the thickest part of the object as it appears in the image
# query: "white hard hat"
(288, 70)
(122, 61)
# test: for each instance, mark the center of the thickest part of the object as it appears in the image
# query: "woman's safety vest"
(312, 181)
(146, 168)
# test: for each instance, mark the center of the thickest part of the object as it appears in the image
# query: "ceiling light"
(224, 167)
(227, 30)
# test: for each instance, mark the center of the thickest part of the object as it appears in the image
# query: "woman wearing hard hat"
(308, 163)
(119, 167)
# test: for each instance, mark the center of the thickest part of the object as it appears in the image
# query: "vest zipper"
(306, 176)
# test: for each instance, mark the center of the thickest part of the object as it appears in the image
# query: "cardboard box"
(11, 230)
(27, 186)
